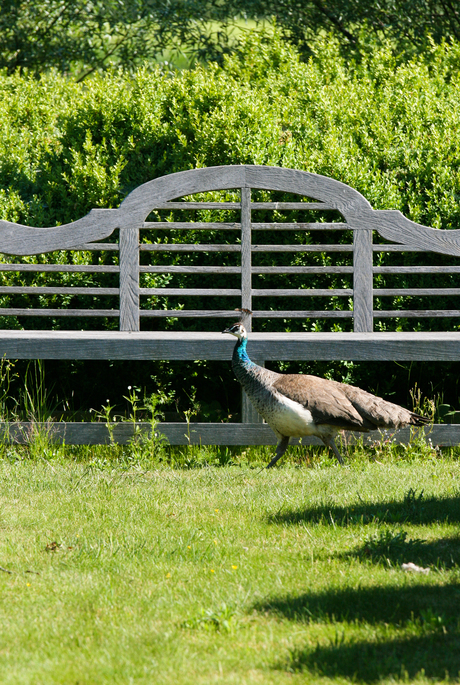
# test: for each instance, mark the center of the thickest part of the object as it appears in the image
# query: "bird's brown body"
(296, 405)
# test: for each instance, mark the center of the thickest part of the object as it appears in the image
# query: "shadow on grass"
(413, 509)
(391, 605)
(431, 611)
(436, 655)
(393, 549)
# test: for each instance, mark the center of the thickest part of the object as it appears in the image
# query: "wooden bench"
(127, 258)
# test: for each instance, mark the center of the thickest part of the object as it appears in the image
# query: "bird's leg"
(329, 442)
(280, 450)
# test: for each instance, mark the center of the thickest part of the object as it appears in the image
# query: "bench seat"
(383, 346)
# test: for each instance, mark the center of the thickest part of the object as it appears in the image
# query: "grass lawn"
(115, 574)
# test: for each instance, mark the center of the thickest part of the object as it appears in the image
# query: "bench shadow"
(391, 605)
(394, 550)
(436, 656)
(432, 610)
(413, 509)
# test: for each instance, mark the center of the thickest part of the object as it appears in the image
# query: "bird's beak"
(226, 331)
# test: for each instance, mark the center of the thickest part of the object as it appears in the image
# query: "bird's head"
(238, 330)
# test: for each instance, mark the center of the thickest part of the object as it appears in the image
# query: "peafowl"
(295, 405)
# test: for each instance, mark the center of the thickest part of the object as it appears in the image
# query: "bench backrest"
(136, 259)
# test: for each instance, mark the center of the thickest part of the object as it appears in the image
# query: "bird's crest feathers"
(238, 329)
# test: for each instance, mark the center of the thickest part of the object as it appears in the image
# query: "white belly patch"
(291, 418)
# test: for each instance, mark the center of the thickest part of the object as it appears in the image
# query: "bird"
(297, 405)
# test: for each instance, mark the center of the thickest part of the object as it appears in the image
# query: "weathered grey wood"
(302, 314)
(246, 254)
(300, 227)
(129, 280)
(183, 247)
(362, 281)
(403, 292)
(439, 346)
(302, 248)
(416, 270)
(48, 290)
(302, 269)
(15, 311)
(303, 292)
(191, 269)
(415, 313)
(290, 205)
(396, 248)
(203, 313)
(26, 240)
(236, 205)
(392, 225)
(337, 195)
(63, 268)
(197, 205)
(190, 291)
(204, 433)
(191, 225)
(189, 313)
(97, 247)
(256, 314)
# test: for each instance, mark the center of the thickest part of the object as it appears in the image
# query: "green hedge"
(389, 131)
(392, 131)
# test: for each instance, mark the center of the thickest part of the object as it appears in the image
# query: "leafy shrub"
(388, 129)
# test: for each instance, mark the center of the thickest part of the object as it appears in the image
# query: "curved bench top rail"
(99, 224)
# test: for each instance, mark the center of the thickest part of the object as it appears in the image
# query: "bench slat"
(48, 290)
(10, 311)
(226, 226)
(191, 269)
(183, 247)
(302, 248)
(304, 292)
(204, 433)
(301, 227)
(237, 205)
(403, 292)
(191, 292)
(254, 269)
(167, 345)
(297, 292)
(191, 225)
(415, 313)
(223, 313)
(416, 270)
(63, 268)
(256, 314)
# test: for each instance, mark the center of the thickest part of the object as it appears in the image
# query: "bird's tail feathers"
(419, 420)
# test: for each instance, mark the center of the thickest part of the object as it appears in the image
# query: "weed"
(390, 547)
(146, 445)
(222, 618)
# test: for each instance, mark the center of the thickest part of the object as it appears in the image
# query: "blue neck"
(239, 353)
